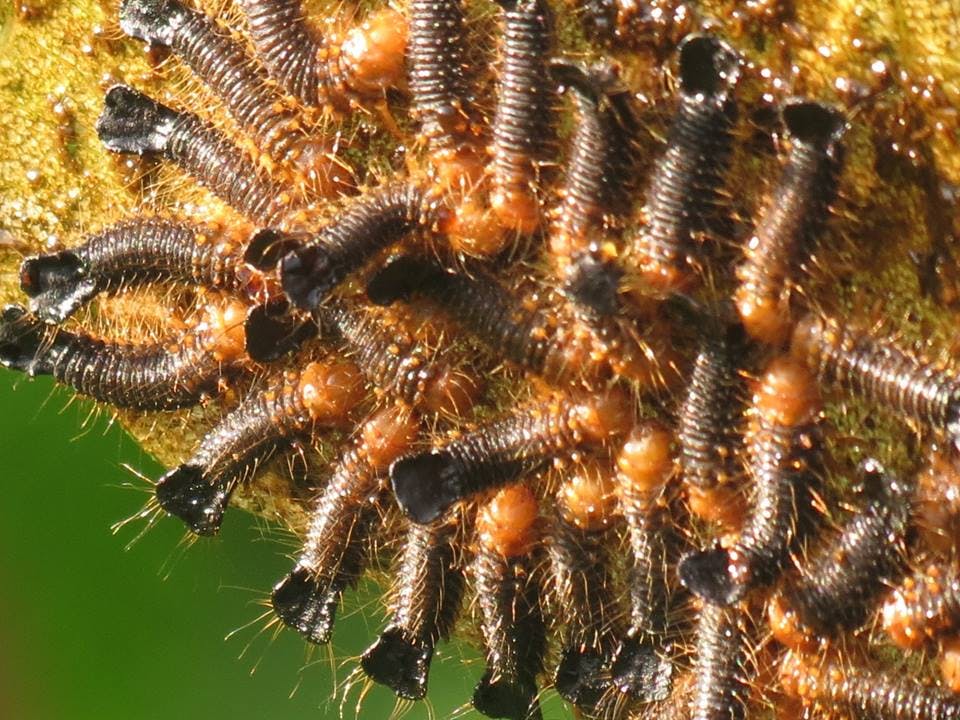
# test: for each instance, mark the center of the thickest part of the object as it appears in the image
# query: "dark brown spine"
(511, 620)
(721, 677)
(521, 124)
(372, 223)
(426, 600)
(880, 372)
(862, 692)
(584, 596)
(682, 199)
(711, 415)
(844, 580)
(392, 359)
(132, 251)
(438, 82)
(289, 47)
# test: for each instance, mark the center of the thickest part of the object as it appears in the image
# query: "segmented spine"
(843, 581)
(784, 455)
(322, 393)
(163, 249)
(720, 673)
(708, 421)
(287, 45)
(133, 251)
(497, 453)
(863, 692)
(220, 61)
(880, 372)
(241, 83)
(374, 222)
(784, 450)
(166, 375)
(425, 603)
(792, 219)
(222, 167)
(341, 520)
(521, 130)
(326, 71)
(682, 199)
(582, 586)
(134, 123)
(507, 584)
(441, 91)
(924, 607)
(396, 362)
(479, 303)
(645, 465)
(597, 185)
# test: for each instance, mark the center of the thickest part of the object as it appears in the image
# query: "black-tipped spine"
(583, 594)
(371, 224)
(426, 601)
(508, 593)
(785, 463)
(683, 195)
(154, 376)
(484, 307)
(341, 520)
(23, 339)
(334, 553)
(130, 252)
(221, 62)
(844, 580)
(134, 123)
(793, 217)
(234, 449)
(493, 455)
(642, 668)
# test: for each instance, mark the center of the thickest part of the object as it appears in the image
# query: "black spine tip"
(706, 574)
(268, 246)
(400, 278)
(153, 21)
(21, 338)
(512, 699)
(131, 122)
(399, 664)
(572, 75)
(307, 276)
(814, 123)
(270, 334)
(303, 605)
(426, 485)
(185, 493)
(580, 677)
(594, 285)
(708, 66)
(642, 673)
(56, 285)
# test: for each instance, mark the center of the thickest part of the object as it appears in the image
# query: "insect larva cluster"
(562, 334)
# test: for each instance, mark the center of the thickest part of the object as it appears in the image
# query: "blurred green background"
(91, 630)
